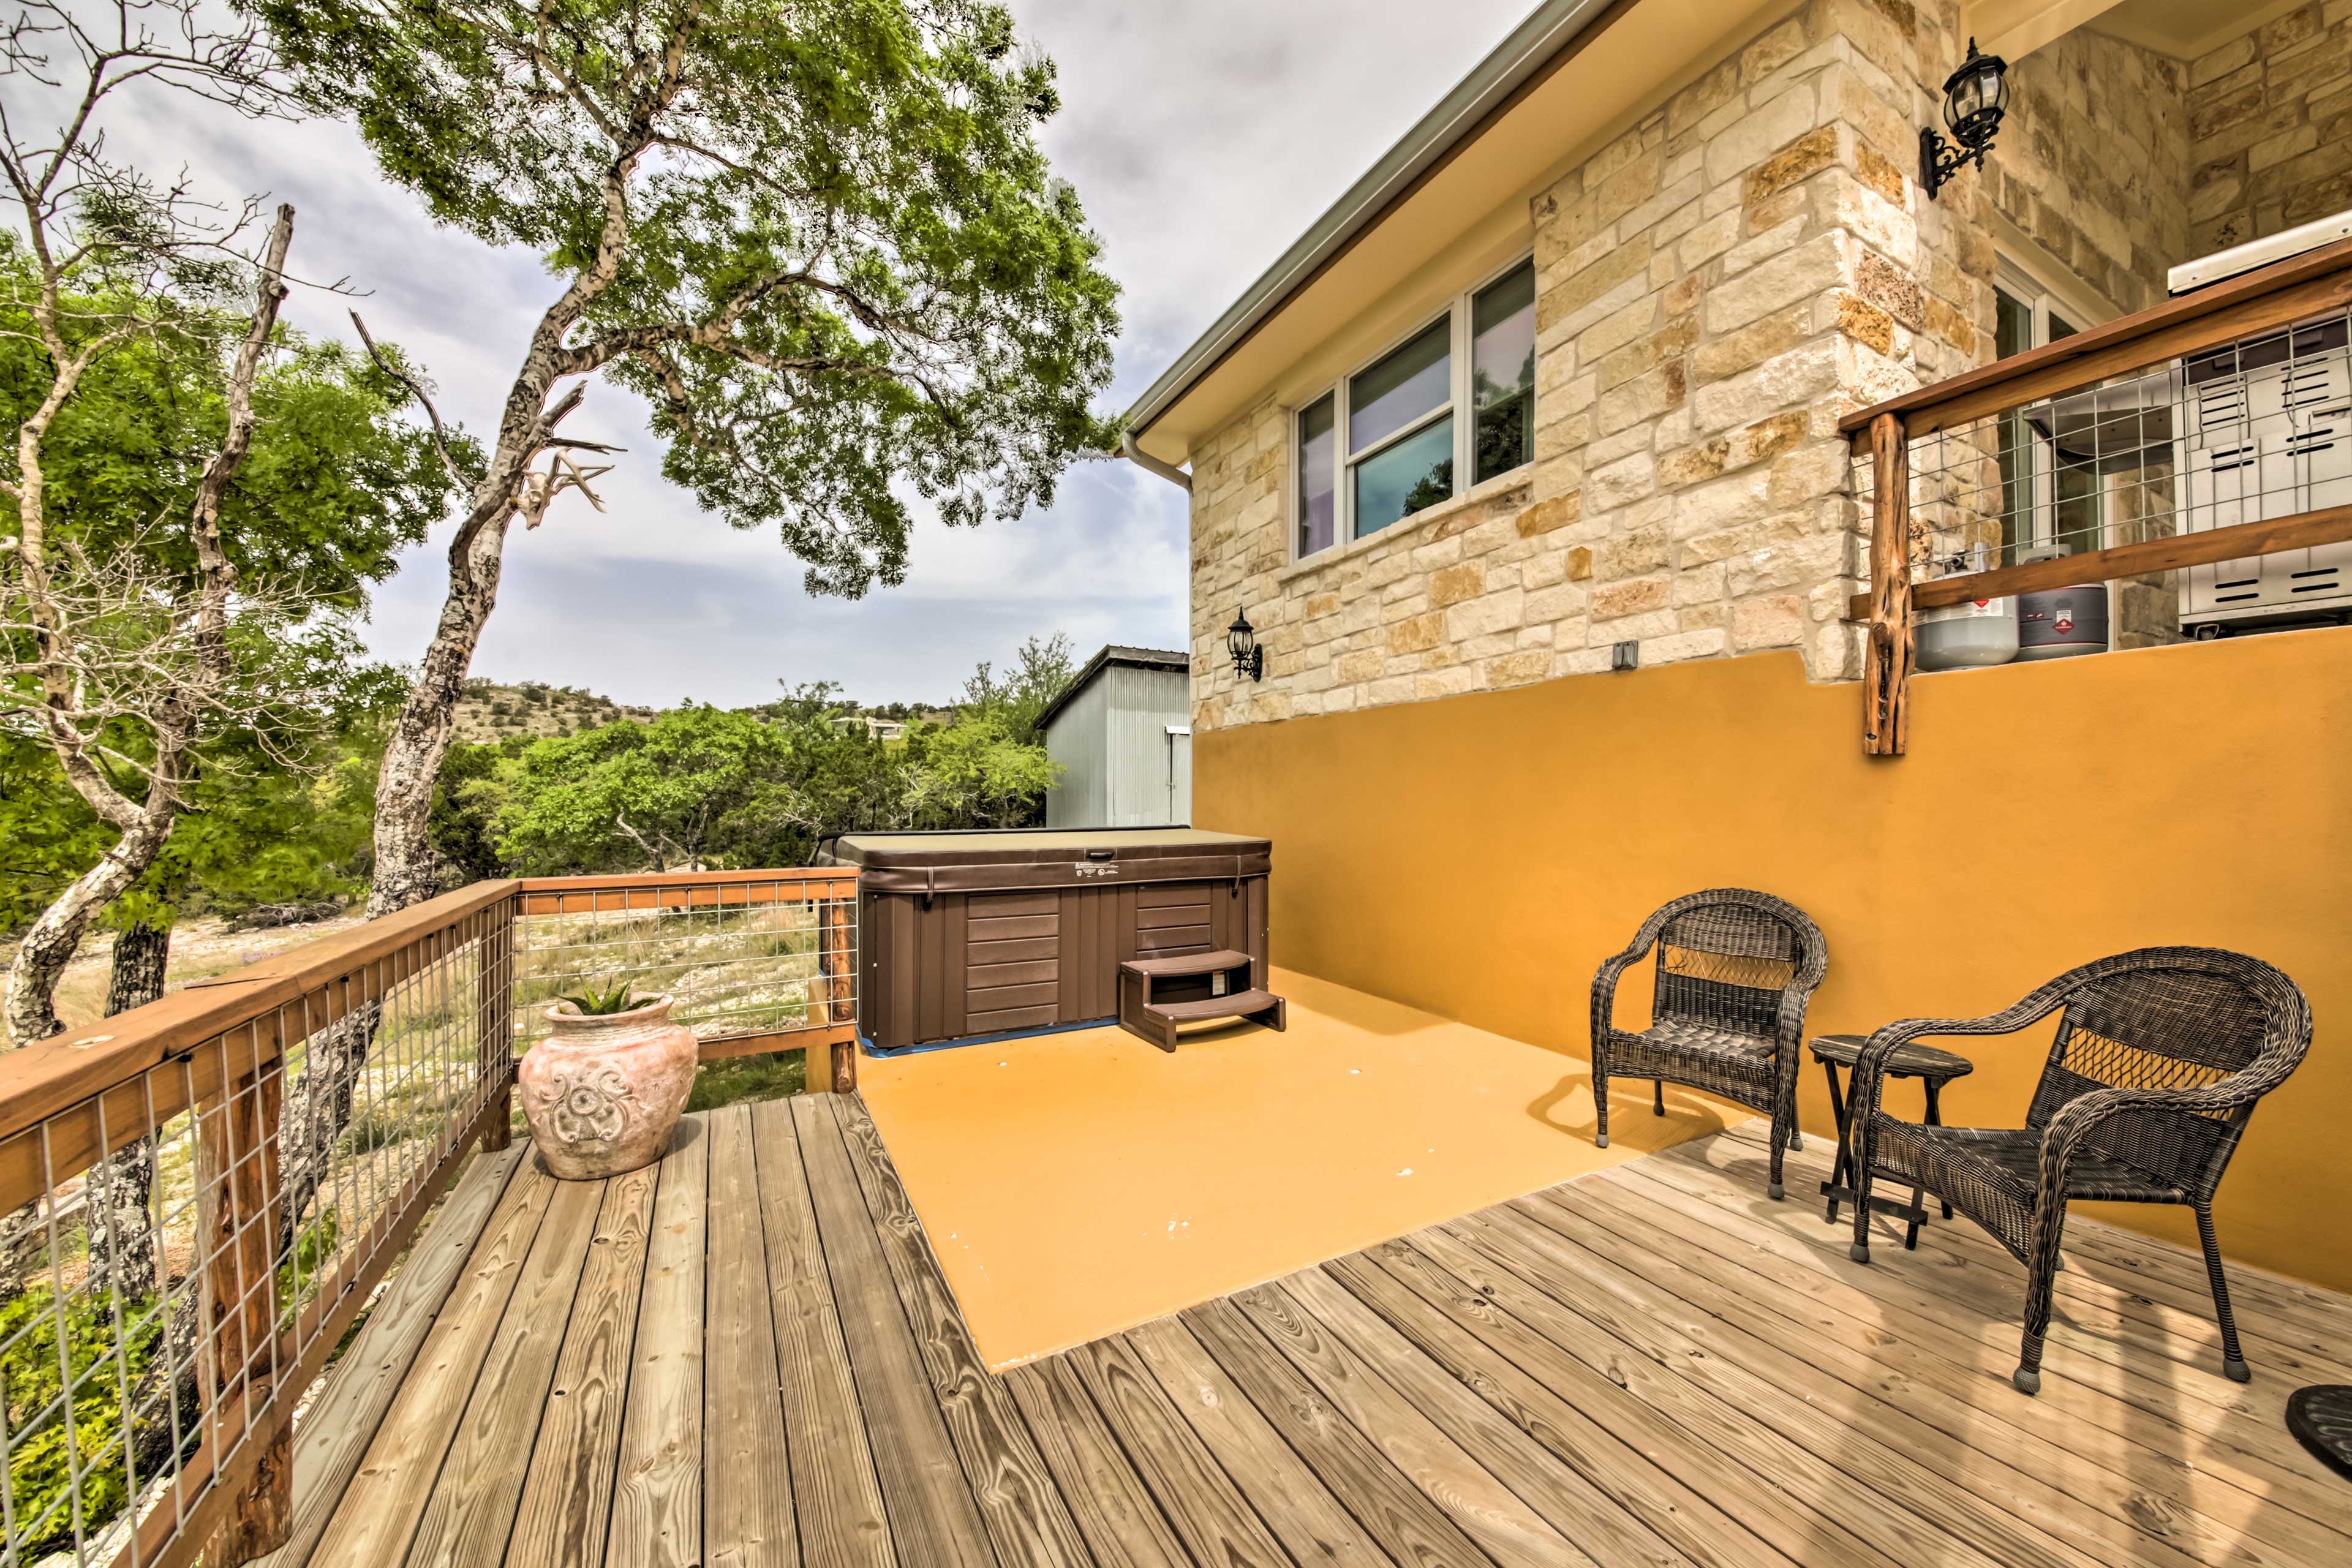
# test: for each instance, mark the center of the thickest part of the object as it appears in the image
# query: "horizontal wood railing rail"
(2314, 284)
(831, 1022)
(205, 1071)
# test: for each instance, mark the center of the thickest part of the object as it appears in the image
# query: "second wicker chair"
(1735, 972)
(2159, 1058)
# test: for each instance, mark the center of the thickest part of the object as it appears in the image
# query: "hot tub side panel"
(993, 962)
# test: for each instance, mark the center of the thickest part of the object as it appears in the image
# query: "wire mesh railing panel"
(183, 1249)
(2253, 431)
(771, 956)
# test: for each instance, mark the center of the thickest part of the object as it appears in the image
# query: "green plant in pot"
(603, 1091)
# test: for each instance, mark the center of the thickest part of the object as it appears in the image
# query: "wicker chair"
(2159, 1058)
(1735, 971)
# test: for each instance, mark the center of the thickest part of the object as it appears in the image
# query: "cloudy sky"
(1203, 136)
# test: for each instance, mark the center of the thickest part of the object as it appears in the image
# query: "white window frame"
(1457, 313)
(2012, 278)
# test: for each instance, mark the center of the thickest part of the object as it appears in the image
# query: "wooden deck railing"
(198, 1197)
(1962, 414)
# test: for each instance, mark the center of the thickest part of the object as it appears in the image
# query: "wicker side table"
(1933, 1068)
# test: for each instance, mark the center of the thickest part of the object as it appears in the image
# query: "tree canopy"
(708, 788)
(335, 484)
(818, 236)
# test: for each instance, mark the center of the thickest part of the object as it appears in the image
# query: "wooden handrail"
(683, 889)
(43, 1079)
(54, 1074)
(2306, 285)
(218, 1048)
(2316, 283)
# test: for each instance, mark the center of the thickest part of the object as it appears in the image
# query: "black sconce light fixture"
(1241, 641)
(1975, 97)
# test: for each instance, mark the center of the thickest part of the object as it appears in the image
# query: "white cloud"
(1204, 135)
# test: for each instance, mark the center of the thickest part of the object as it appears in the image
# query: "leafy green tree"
(977, 771)
(699, 787)
(818, 236)
(198, 499)
(465, 800)
(333, 485)
(1040, 672)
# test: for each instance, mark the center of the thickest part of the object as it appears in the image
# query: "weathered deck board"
(338, 1428)
(749, 1354)
(657, 1490)
(470, 1515)
(839, 1501)
(377, 1513)
(933, 1517)
(567, 1496)
(747, 1491)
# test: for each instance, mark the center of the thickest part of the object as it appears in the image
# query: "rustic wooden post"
(494, 1016)
(1886, 661)
(238, 1192)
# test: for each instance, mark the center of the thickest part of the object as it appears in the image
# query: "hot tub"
(968, 936)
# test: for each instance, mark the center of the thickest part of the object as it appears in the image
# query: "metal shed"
(1123, 736)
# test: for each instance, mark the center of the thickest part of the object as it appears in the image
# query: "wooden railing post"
(1887, 667)
(237, 1194)
(494, 1012)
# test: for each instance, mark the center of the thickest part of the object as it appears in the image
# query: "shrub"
(31, 1386)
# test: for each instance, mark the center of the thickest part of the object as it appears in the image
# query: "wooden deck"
(748, 1355)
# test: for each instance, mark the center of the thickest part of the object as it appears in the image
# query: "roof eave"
(1550, 28)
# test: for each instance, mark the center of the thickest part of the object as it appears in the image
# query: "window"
(1317, 485)
(2050, 496)
(1458, 396)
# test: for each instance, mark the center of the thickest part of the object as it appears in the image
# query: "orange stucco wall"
(1477, 857)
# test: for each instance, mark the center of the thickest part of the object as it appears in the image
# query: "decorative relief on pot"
(586, 1104)
(602, 1094)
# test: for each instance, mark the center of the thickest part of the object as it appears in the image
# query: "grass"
(771, 1077)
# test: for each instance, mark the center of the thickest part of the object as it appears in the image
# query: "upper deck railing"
(2214, 428)
(199, 1197)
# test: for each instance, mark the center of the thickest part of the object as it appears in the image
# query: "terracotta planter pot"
(603, 1094)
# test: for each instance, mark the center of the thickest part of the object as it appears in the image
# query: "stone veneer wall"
(1716, 288)
(2271, 127)
(2092, 164)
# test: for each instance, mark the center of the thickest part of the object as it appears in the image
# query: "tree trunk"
(317, 1108)
(121, 1190)
(405, 873)
(48, 946)
(319, 1101)
(141, 952)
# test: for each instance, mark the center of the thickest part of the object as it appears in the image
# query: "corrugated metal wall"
(1120, 768)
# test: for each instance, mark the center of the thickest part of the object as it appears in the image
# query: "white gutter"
(1554, 25)
(1146, 461)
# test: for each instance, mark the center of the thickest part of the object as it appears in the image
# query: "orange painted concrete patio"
(1076, 1184)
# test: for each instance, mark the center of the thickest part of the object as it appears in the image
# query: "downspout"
(1149, 464)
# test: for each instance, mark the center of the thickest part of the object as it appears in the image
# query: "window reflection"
(1503, 373)
(1400, 480)
(1415, 380)
(1318, 491)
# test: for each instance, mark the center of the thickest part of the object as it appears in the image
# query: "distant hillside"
(489, 711)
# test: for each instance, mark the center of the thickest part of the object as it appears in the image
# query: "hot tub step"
(1240, 1004)
(1187, 965)
(1157, 1021)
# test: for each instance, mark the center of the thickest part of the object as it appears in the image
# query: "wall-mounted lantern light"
(1975, 97)
(1249, 660)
